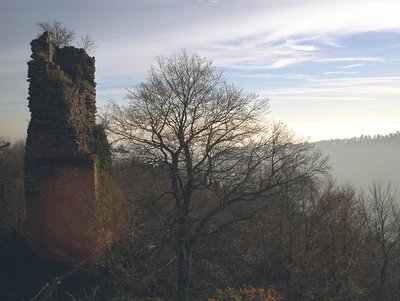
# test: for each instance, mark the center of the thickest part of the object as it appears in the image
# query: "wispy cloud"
(339, 72)
(270, 41)
(301, 47)
(352, 66)
(350, 59)
(376, 88)
(266, 34)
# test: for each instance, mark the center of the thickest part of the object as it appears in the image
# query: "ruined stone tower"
(72, 207)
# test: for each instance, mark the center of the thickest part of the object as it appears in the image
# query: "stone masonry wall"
(65, 220)
(61, 100)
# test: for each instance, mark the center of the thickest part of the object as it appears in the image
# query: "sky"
(330, 69)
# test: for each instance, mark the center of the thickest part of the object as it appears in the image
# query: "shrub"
(247, 293)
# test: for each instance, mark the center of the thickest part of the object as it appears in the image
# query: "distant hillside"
(364, 160)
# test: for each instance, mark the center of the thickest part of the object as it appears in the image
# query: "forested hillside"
(214, 210)
(364, 160)
(314, 241)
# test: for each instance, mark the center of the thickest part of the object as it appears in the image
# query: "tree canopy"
(210, 136)
(63, 36)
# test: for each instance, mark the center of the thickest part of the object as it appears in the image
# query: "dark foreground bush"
(247, 293)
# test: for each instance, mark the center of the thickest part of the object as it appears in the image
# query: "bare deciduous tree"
(87, 43)
(59, 34)
(208, 134)
(63, 36)
(382, 214)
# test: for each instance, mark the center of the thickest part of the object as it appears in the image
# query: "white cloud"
(350, 59)
(283, 63)
(339, 72)
(300, 47)
(352, 66)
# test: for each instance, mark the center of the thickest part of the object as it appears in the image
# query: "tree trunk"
(184, 265)
(382, 279)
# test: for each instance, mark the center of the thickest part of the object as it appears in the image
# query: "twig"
(5, 145)
(47, 290)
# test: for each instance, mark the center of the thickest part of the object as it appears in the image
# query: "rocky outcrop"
(72, 207)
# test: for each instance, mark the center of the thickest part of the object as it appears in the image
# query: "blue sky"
(330, 69)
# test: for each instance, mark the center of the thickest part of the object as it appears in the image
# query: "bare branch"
(59, 34)
(87, 43)
(210, 136)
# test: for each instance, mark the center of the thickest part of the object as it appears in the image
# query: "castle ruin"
(72, 207)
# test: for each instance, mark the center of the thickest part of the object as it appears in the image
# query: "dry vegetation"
(220, 207)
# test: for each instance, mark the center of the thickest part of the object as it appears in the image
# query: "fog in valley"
(365, 160)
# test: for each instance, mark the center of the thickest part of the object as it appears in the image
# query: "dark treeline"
(11, 185)
(364, 138)
(314, 241)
